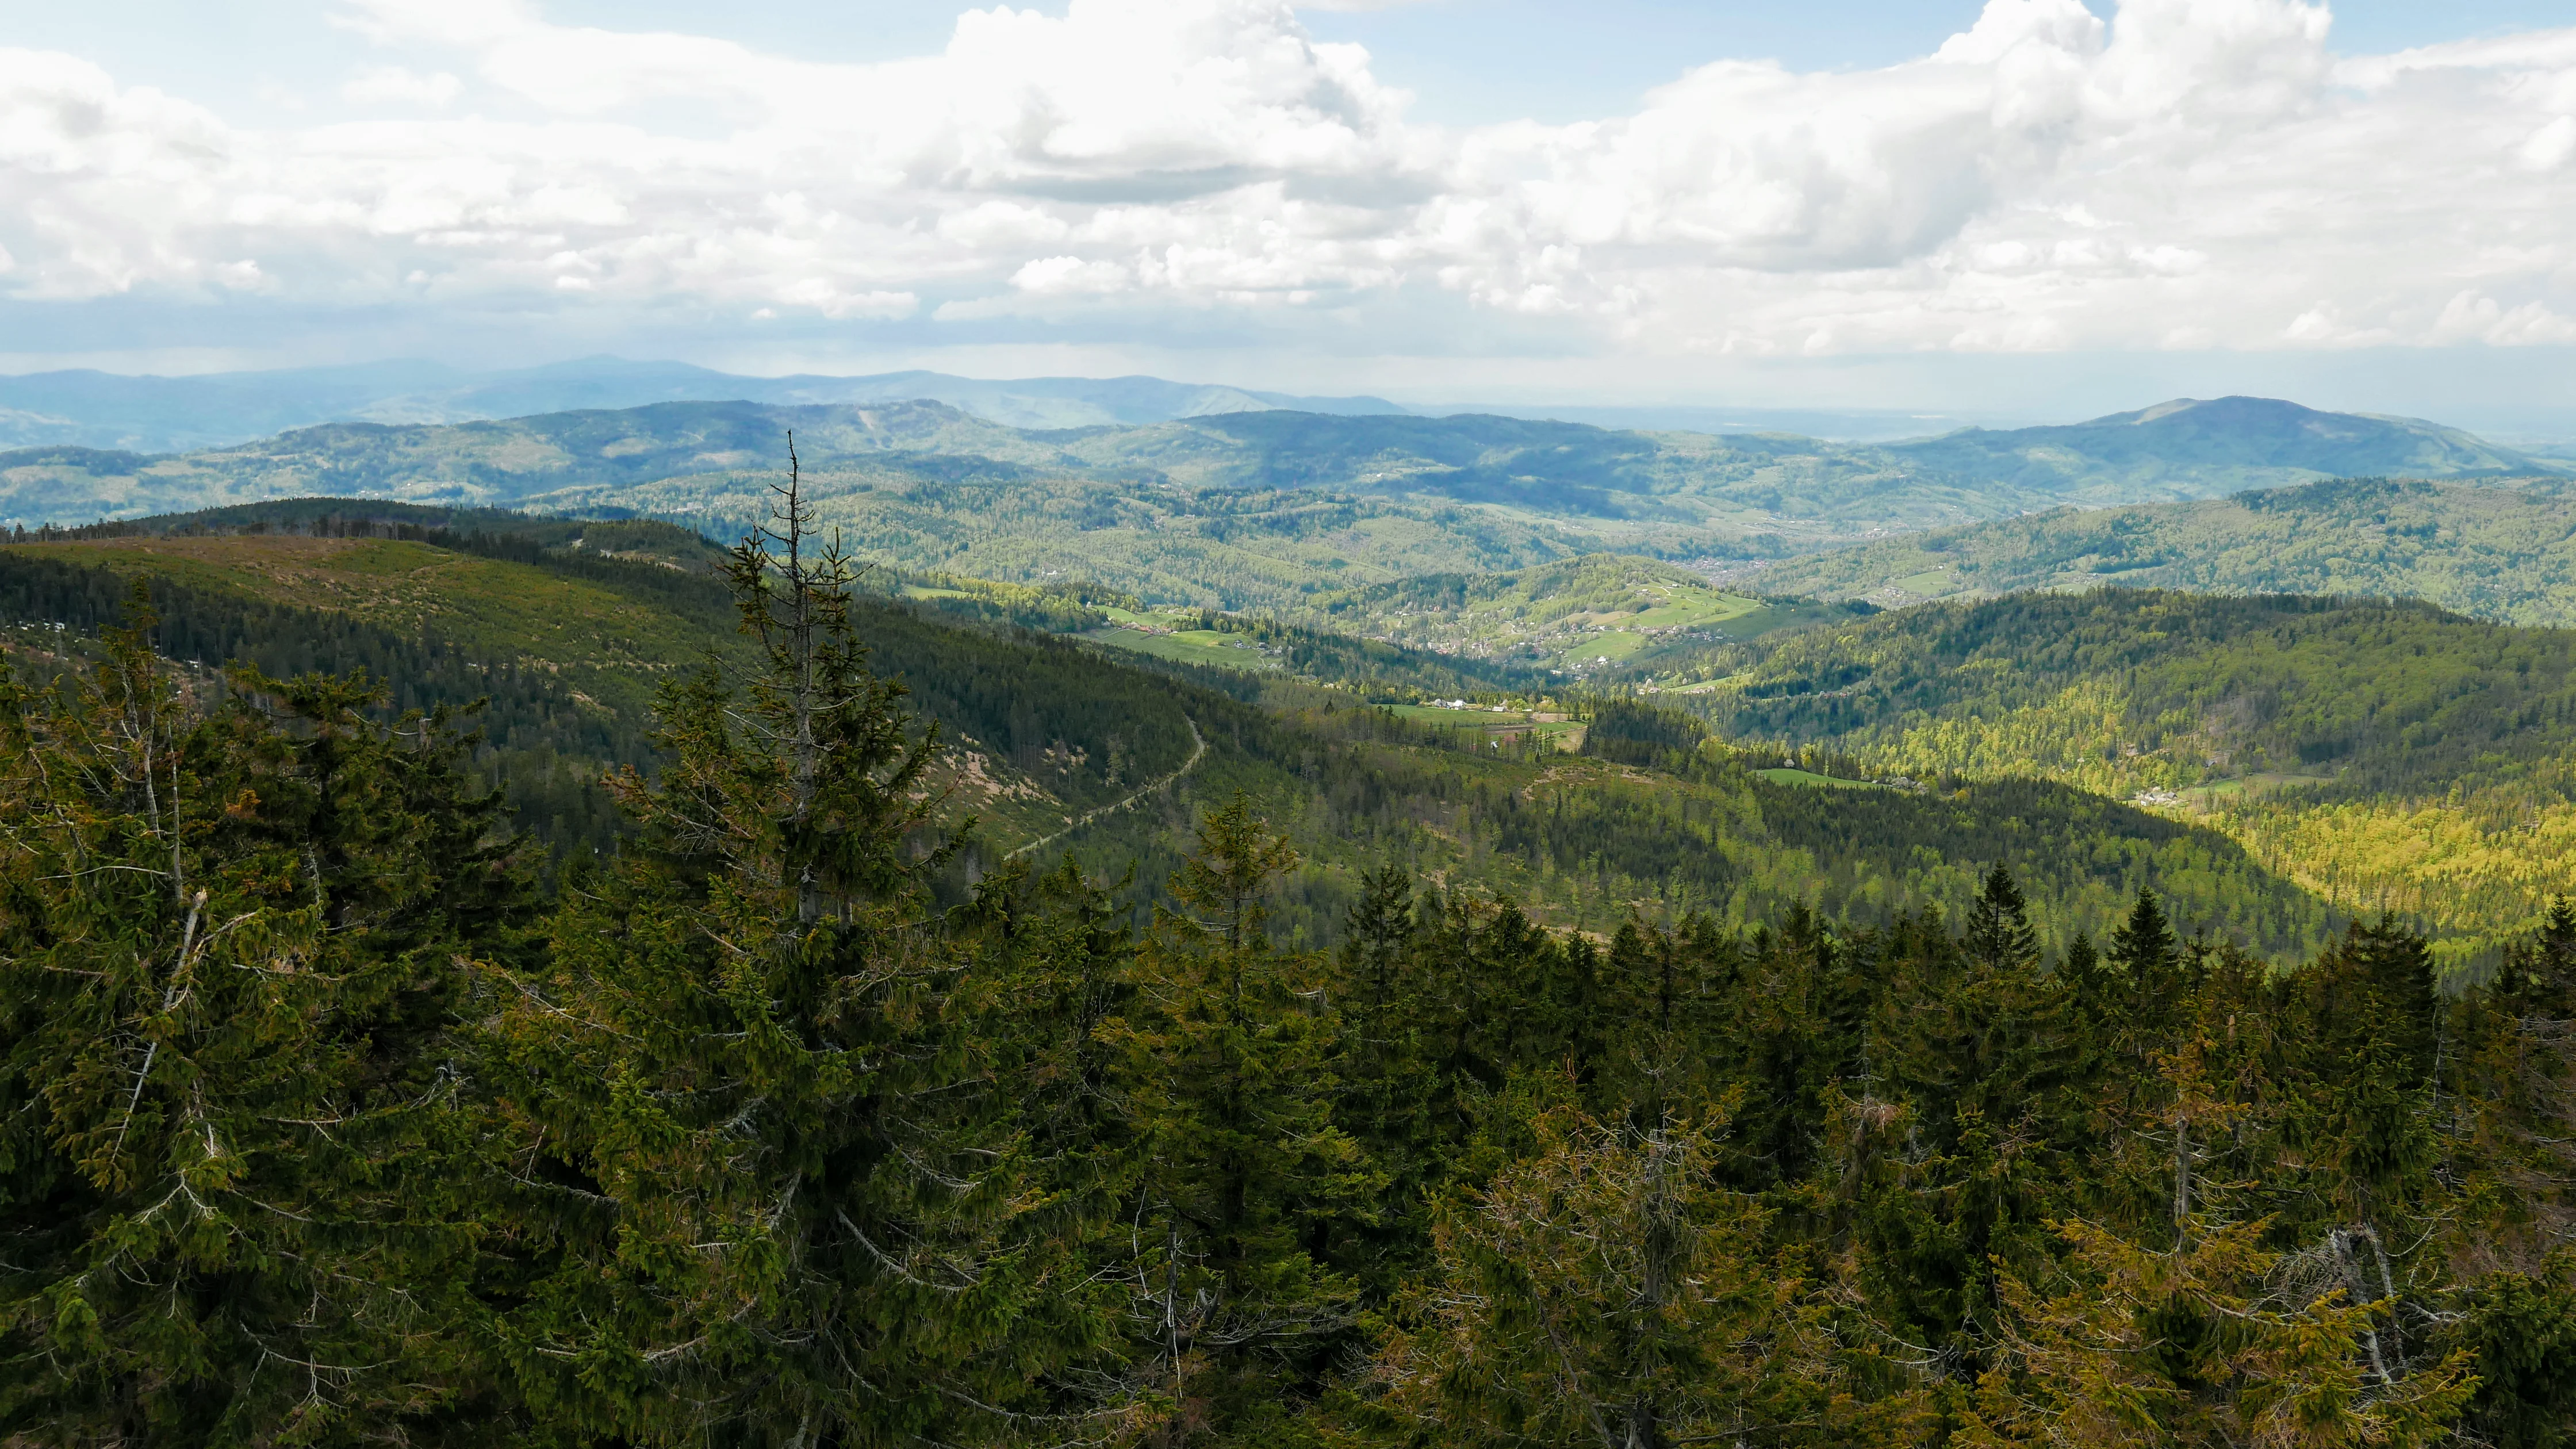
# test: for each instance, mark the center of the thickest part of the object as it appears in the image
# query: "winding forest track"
(1198, 752)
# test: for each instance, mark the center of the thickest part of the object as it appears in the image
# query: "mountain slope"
(573, 648)
(2504, 553)
(2385, 755)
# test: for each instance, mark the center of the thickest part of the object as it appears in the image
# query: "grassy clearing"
(2263, 783)
(1497, 724)
(1688, 609)
(1189, 646)
(1763, 618)
(1787, 776)
(1442, 715)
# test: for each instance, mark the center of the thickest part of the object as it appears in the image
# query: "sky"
(2025, 208)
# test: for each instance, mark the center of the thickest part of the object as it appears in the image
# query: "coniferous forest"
(338, 1108)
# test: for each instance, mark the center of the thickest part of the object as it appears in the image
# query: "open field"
(1787, 776)
(1189, 646)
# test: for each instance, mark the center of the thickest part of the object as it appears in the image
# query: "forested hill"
(570, 650)
(2385, 754)
(2498, 552)
(1259, 507)
(570, 647)
(1583, 616)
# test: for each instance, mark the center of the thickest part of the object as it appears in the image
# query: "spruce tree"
(226, 947)
(2148, 960)
(1605, 1290)
(1387, 1087)
(774, 1183)
(1245, 1180)
(1999, 935)
(2187, 1327)
(1976, 1042)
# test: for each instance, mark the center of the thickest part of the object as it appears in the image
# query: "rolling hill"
(2189, 448)
(2497, 552)
(1579, 617)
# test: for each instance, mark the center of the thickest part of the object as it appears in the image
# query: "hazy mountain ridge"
(2194, 449)
(177, 414)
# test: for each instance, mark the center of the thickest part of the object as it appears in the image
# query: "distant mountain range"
(216, 410)
(1237, 506)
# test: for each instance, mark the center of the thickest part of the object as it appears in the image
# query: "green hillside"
(2316, 736)
(1588, 615)
(573, 648)
(2499, 552)
(2384, 755)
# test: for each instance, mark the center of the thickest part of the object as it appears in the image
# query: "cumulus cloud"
(2192, 173)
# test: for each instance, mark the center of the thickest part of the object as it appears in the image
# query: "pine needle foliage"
(780, 1196)
(227, 943)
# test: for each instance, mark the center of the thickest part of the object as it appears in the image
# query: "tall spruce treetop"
(1999, 930)
(2143, 945)
(1376, 929)
(1230, 1076)
(753, 1101)
(2539, 976)
(825, 755)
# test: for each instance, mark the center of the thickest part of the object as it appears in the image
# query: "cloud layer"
(2194, 174)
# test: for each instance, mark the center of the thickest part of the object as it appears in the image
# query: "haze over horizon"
(2026, 211)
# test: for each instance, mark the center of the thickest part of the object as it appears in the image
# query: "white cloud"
(1071, 275)
(394, 85)
(2548, 148)
(2196, 173)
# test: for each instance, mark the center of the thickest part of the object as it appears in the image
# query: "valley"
(1506, 779)
(2379, 757)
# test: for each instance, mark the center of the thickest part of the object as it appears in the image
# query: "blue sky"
(1469, 61)
(2018, 207)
